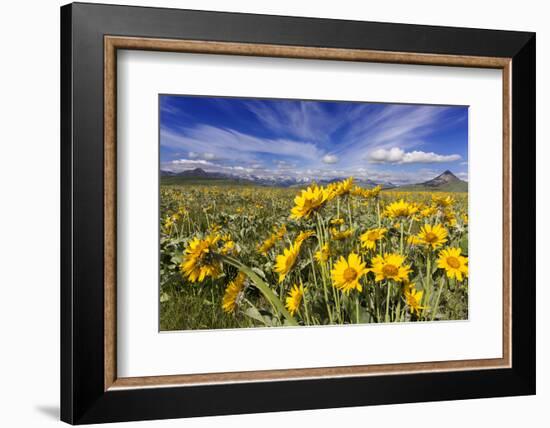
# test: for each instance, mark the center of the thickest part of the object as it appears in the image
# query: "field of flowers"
(235, 255)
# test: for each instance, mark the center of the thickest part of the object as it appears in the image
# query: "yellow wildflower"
(233, 292)
(390, 266)
(432, 236)
(294, 298)
(284, 262)
(347, 273)
(308, 202)
(369, 238)
(455, 265)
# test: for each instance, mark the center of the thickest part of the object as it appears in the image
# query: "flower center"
(350, 274)
(390, 270)
(372, 236)
(453, 262)
(430, 237)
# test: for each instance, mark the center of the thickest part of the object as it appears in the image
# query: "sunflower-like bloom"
(390, 266)
(432, 236)
(449, 217)
(228, 247)
(455, 265)
(366, 193)
(428, 211)
(199, 260)
(401, 209)
(331, 190)
(302, 236)
(280, 232)
(267, 245)
(357, 191)
(372, 193)
(233, 292)
(168, 223)
(284, 262)
(342, 188)
(346, 273)
(370, 237)
(294, 298)
(340, 235)
(337, 221)
(310, 200)
(413, 298)
(323, 254)
(413, 240)
(442, 201)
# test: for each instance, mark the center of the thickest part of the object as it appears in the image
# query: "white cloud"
(193, 162)
(462, 175)
(281, 164)
(394, 155)
(330, 159)
(397, 155)
(205, 156)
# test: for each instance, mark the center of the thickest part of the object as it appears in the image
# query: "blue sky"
(312, 140)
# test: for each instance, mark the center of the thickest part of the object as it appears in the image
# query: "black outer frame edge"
(299, 31)
(82, 397)
(66, 96)
(524, 219)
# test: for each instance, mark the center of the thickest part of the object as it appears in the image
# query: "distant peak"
(446, 177)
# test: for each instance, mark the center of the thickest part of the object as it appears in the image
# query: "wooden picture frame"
(91, 390)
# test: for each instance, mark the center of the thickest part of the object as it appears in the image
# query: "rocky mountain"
(442, 179)
(445, 182)
(280, 181)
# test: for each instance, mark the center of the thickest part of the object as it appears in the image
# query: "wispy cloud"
(403, 126)
(303, 120)
(228, 143)
(310, 139)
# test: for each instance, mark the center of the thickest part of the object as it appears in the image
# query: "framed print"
(264, 213)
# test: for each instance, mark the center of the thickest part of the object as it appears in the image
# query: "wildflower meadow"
(234, 255)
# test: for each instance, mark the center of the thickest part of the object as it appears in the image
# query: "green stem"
(428, 272)
(387, 317)
(350, 213)
(262, 286)
(378, 212)
(397, 317)
(401, 240)
(436, 306)
(308, 321)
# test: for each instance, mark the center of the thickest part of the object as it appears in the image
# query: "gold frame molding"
(113, 43)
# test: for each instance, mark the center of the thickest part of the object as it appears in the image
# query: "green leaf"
(254, 314)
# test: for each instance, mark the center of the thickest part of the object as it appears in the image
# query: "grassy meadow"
(234, 255)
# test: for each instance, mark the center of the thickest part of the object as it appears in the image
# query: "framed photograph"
(266, 213)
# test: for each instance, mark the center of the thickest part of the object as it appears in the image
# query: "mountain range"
(446, 181)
